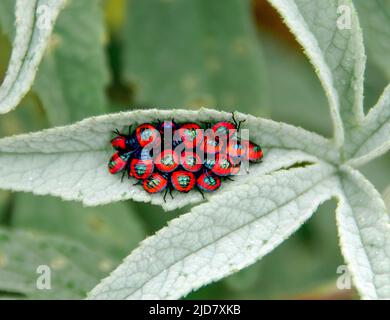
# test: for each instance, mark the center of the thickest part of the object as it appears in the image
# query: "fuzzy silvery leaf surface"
(71, 161)
(249, 217)
(34, 22)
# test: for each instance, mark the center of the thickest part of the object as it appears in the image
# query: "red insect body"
(118, 162)
(147, 134)
(141, 169)
(208, 182)
(167, 161)
(254, 153)
(191, 161)
(155, 183)
(224, 166)
(224, 128)
(212, 144)
(206, 159)
(119, 143)
(235, 149)
(183, 181)
(190, 134)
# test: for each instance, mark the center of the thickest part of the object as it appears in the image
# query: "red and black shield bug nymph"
(171, 156)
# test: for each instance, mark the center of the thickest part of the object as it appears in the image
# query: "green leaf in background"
(35, 20)
(374, 16)
(73, 75)
(111, 230)
(300, 102)
(74, 269)
(4, 201)
(194, 53)
(5, 51)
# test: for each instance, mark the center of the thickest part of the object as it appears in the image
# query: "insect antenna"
(237, 124)
(234, 119)
(158, 123)
(117, 132)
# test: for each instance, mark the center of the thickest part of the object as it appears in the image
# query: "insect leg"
(238, 125)
(207, 124)
(123, 175)
(116, 131)
(234, 120)
(165, 195)
(200, 191)
(170, 192)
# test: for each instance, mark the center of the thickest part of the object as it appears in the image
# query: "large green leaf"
(110, 230)
(303, 102)
(193, 53)
(34, 23)
(74, 269)
(73, 75)
(4, 198)
(71, 162)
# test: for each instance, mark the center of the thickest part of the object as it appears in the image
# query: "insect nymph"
(167, 156)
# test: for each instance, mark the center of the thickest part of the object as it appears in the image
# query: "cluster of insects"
(166, 155)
